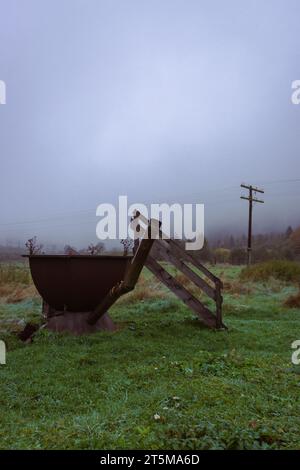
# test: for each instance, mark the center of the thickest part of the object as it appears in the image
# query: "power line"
(88, 212)
(295, 180)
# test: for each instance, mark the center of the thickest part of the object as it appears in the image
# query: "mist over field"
(162, 101)
(187, 340)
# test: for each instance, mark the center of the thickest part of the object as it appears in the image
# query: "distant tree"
(262, 253)
(95, 249)
(70, 251)
(222, 255)
(238, 256)
(231, 242)
(288, 232)
(128, 244)
(205, 254)
(33, 247)
(295, 239)
(288, 253)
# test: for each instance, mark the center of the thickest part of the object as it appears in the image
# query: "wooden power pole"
(251, 199)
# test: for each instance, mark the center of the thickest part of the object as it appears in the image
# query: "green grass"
(14, 272)
(161, 382)
(283, 270)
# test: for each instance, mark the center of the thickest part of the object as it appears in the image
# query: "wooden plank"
(112, 296)
(130, 280)
(191, 259)
(204, 314)
(163, 251)
(219, 301)
(138, 261)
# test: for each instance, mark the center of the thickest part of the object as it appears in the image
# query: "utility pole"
(251, 199)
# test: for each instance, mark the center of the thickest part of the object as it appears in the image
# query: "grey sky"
(163, 100)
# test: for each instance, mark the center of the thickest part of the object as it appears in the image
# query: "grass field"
(162, 381)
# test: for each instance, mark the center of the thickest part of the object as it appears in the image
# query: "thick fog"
(161, 100)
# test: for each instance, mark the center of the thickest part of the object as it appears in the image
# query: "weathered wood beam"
(138, 261)
(112, 296)
(219, 301)
(131, 276)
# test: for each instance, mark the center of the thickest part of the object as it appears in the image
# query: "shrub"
(222, 255)
(293, 301)
(283, 270)
(238, 256)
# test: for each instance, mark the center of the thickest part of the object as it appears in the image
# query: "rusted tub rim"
(80, 256)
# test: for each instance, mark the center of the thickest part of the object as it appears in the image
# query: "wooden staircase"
(151, 252)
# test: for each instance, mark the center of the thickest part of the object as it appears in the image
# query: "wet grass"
(162, 380)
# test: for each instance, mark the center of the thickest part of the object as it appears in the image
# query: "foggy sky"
(161, 100)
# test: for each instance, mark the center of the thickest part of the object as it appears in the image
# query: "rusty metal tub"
(75, 284)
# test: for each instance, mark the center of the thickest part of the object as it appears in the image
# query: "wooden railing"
(172, 253)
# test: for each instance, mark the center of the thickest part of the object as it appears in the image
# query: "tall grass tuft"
(15, 283)
(146, 289)
(293, 301)
(16, 273)
(283, 270)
